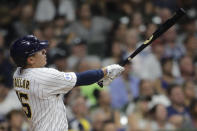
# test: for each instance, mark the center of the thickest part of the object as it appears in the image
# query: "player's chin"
(45, 62)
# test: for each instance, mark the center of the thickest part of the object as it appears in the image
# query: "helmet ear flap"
(20, 62)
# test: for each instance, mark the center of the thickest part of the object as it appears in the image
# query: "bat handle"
(124, 62)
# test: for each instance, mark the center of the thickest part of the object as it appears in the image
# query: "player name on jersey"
(21, 83)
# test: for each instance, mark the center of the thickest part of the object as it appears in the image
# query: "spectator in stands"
(172, 48)
(191, 47)
(8, 100)
(147, 91)
(146, 88)
(158, 113)
(60, 60)
(3, 125)
(131, 40)
(117, 33)
(79, 51)
(89, 62)
(148, 12)
(186, 67)
(151, 27)
(38, 33)
(48, 31)
(47, 9)
(104, 106)
(137, 22)
(80, 110)
(177, 108)
(2, 41)
(98, 119)
(164, 14)
(167, 77)
(26, 23)
(138, 4)
(124, 89)
(116, 54)
(189, 92)
(60, 23)
(109, 126)
(16, 120)
(177, 121)
(193, 112)
(188, 27)
(138, 120)
(152, 70)
(92, 29)
(126, 8)
(68, 102)
(6, 69)
(195, 77)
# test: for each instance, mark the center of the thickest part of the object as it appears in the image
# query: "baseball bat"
(161, 29)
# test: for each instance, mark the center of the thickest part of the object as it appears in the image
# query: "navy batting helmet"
(25, 47)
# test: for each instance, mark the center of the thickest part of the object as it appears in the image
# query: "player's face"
(38, 59)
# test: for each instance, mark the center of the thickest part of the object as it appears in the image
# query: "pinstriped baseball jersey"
(40, 93)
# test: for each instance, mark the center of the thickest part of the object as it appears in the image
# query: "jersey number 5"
(23, 97)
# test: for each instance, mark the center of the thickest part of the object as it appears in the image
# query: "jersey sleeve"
(54, 82)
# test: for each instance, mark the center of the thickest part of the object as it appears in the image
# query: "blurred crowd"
(158, 89)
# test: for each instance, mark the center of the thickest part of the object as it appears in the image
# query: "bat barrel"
(161, 29)
(181, 12)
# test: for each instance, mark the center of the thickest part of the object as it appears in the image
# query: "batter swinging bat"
(162, 28)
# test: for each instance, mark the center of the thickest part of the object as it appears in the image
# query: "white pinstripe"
(48, 110)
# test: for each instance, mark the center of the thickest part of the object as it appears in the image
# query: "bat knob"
(100, 83)
(182, 11)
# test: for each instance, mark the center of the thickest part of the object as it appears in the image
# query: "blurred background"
(158, 89)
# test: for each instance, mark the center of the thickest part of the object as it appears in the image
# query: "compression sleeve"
(88, 77)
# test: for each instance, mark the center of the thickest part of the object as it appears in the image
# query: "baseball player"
(39, 88)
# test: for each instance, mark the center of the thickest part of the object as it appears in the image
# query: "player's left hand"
(113, 71)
